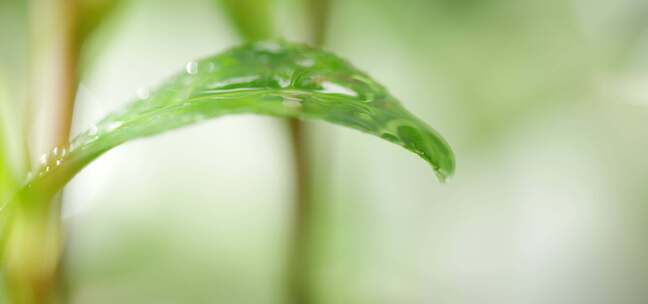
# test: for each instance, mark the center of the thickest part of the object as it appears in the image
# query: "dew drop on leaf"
(113, 126)
(143, 93)
(93, 130)
(191, 67)
(334, 88)
(306, 62)
(291, 102)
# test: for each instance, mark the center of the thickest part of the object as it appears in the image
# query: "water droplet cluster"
(48, 162)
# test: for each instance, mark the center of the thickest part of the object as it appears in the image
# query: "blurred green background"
(544, 102)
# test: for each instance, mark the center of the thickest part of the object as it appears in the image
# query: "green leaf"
(268, 78)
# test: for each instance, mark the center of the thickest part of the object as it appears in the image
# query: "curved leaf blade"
(268, 78)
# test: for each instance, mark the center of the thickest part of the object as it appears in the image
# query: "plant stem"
(69, 72)
(318, 11)
(36, 241)
(299, 267)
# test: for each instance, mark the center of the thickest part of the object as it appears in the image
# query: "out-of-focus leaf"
(252, 18)
(91, 14)
(7, 183)
(5, 180)
(94, 29)
(268, 78)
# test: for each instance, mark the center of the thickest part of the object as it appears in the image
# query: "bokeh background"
(544, 102)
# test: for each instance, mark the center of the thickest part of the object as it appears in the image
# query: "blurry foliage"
(7, 182)
(97, 20)
(91, 14)
(252, 18)
(496, 61)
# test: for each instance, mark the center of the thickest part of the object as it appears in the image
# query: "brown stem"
(69, 72)
(299, 265)
(298, 272)
(318, 11)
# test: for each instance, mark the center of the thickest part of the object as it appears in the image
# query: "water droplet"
(390, 137)
(63, 152)
(232, 81)
(192, 67)
(268, 46)
(114, 125)
(93, 130)
(58, 162)
(47, 169)
(43, 159)
(306, 62)
(364, 116)
(55, 151)
(291, 102)
(334, 88)
(211, 67)
(143, 93)
(283, 82)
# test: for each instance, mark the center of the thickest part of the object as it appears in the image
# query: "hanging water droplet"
(47, 169)
(58, 162)
(143, 93)
(63, 152)
(192, 67)
(55, 151)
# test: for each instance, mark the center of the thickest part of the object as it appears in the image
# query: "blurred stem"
(36, 240)
(69, 58)
(300, 265)
(32, 253)
(318, 11)
(251, 18)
